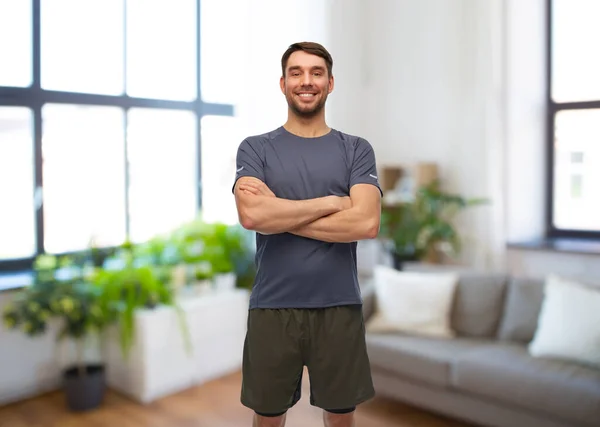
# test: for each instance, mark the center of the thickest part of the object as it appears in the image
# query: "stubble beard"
(306, 113)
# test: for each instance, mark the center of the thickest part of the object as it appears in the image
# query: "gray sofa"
(485, 376)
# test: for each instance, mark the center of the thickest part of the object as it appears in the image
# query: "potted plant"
(210, 251)
(423, 227)
(62, 293)
(224, 246)
(133, 278)
(159, 253)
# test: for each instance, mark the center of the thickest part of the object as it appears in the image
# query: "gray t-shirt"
(294, 271)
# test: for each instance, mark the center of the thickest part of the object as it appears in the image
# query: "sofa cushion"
(413, 302)
(523, 303)
(478, 302)
(416, 357)
(507, 373)
(569, 323)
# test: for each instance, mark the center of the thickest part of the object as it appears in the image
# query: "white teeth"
(306, 95)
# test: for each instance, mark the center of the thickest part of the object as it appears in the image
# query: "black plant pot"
(400, 259)
(84, 392)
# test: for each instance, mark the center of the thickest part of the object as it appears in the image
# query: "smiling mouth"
(306, 95)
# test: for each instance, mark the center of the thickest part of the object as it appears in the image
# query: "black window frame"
(553, 108)
(34, 97)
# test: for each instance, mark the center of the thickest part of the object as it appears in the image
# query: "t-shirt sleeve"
(249, 161)
(364, 166)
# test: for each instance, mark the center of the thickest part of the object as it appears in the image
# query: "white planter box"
(159, 365)
(225, 281)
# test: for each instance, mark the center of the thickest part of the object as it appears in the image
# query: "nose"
(307, 79)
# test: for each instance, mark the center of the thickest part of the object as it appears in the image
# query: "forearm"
(272, 215)
(349, 225)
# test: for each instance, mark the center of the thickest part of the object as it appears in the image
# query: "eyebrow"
(297, 67)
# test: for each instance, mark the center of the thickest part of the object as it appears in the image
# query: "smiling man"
(311, 193)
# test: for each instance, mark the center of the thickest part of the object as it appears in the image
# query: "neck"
(311, 127)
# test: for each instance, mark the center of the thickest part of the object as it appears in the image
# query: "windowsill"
(563, 245)
(15, 280)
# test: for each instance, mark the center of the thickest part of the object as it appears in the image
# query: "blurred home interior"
(125, 276)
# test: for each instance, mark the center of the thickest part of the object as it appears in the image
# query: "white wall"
(428, 77)
(461, 83)
(526, 127)
(347, 34)
(245, 48)
(270, 27)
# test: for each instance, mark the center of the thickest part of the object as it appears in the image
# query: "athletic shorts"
(330, 342)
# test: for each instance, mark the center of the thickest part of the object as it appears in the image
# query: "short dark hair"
(308, 47)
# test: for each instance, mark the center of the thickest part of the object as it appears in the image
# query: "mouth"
(306, 96)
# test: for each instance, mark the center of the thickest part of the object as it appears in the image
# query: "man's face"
(306, 83)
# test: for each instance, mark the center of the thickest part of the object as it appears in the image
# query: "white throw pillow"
(413, 302)
(569, 322)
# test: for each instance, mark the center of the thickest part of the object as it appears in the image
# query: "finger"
(247, 186)
(250, 190)
(263, 189)
(266, 190)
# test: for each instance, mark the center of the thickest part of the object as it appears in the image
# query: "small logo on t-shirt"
(372, 176)
(239, 169)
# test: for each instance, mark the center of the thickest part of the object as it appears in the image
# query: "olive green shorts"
(330, 342)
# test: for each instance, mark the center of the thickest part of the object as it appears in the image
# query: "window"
(100, 133)
(91, 62)
(574, 119)
(162, 153)
(15, 43)
(83, 168)
(222, 79)
(221, 137)
(17, 188)
(161, 63)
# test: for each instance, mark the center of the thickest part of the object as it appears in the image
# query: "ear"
(282, 84)
(331, 84)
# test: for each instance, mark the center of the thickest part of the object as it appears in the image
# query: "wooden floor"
(215, 404)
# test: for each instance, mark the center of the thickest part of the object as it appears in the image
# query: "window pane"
(84, 178)
(17, 216)
(161, 49)
(82, 46)
(576, 174)
(221, 137)
(575, 62)
(161, 147)
(15, 43)
(222, 52)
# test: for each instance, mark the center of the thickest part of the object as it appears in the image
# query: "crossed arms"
(329, 219)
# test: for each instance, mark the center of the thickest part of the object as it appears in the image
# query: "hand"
(256, 187)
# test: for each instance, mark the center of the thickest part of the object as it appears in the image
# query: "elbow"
(247, 220)
(247, 223)
(371, 233)
(371, 229)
